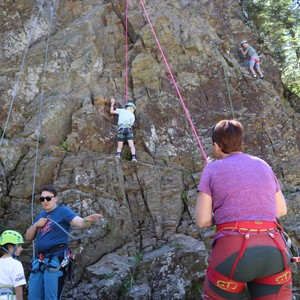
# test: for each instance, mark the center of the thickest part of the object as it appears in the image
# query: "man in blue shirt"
(51, 230)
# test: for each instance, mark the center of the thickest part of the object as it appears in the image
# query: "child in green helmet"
(12, 276)
(125, 122)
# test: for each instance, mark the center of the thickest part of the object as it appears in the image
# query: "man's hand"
(93, 217)
(40, 223)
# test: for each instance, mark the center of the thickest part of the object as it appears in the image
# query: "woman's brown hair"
(228, 134)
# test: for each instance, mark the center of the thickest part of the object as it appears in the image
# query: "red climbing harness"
(246, 228)
(223, 282)
(255, 59)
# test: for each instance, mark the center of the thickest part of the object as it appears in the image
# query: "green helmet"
(11, 237)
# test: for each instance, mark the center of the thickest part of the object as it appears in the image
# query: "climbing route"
(15, 88)
(174, 81)
(41, 109)
(126, 56)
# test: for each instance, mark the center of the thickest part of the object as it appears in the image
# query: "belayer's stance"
(240, 194)
(254, 60)
(12, 277)
(125, 122)
(50, 266)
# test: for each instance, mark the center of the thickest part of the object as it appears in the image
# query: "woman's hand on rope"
(112, 101)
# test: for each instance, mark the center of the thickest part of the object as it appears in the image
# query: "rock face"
(55, 97)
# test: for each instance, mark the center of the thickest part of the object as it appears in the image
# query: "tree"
(279, 21)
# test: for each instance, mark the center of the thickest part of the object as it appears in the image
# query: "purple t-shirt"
(242, 187)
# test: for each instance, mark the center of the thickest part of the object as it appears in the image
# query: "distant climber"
(254, 61)
(125, 123)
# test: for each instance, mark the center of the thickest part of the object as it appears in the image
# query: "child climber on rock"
(125, 123)
(253, 57)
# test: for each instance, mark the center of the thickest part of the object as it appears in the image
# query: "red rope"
(126, 56)
(175, 83)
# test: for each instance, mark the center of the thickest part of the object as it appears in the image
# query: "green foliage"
(184, 197)
(279, 21)
(64, 145)
(130, 282)
(138, 257)
(125, 288)
(178, 245)
(126, 153)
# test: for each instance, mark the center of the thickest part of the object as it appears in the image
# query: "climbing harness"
(45, 261)
(245, 229)
(8, 291)
(125, 130)
(292, 248)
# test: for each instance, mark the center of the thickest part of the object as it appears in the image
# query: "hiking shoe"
(118, 155)
(254, 76)
(133, 158)
(261, 76)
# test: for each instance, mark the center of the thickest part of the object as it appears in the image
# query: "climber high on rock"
(125, 122)
(253, 57)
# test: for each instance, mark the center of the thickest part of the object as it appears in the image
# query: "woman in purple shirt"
(240, 194)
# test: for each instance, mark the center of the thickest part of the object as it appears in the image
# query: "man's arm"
(203, 213)
(31, 232)
(85, 222)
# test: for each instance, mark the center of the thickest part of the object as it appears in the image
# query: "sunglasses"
(47, 198)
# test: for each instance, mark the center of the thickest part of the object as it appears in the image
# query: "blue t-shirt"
(51, 235)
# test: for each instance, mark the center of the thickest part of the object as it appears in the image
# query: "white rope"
(40, 115)
(16, 85)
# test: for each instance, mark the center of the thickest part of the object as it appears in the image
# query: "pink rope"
(126, 56)
(175, 83)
